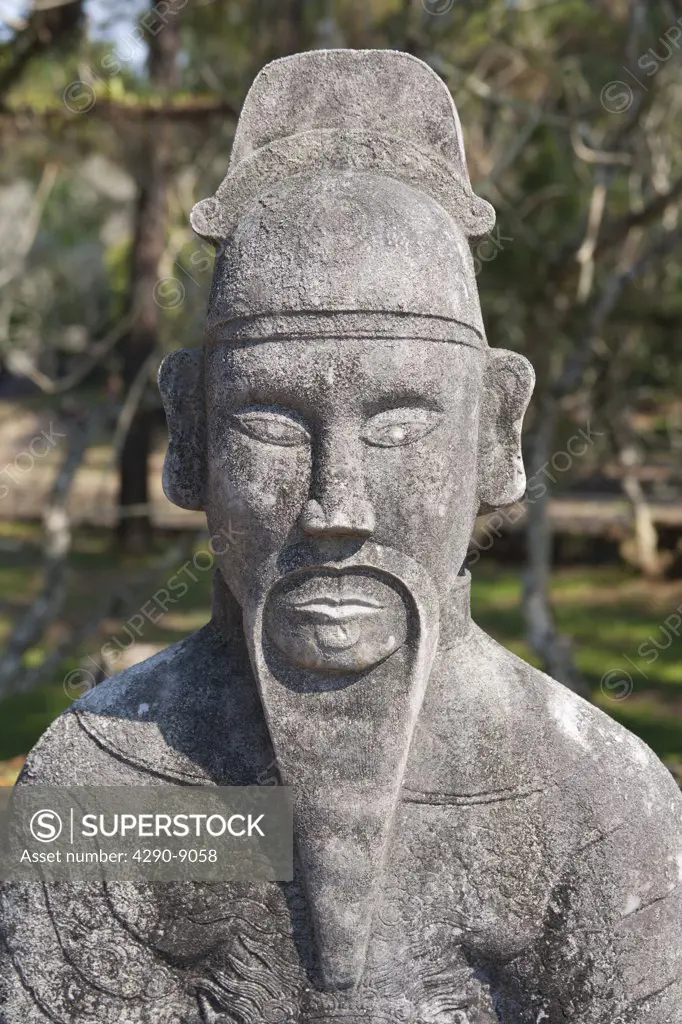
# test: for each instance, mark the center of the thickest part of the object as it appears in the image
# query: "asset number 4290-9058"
(163, 856)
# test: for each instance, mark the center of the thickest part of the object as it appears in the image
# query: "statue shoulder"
(63, 756)
(580, 733)
(130, 694)
(150, 719)
(604, 767)
(516, 727)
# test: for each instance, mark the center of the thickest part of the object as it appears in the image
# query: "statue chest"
(465, 886)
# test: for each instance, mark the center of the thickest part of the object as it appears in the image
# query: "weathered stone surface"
(475, 844)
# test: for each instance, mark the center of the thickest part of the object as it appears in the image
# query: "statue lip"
(330, 608)
(335, 594)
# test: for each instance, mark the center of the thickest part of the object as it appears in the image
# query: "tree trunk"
(134, 528)
(645, 536)
(554, 650)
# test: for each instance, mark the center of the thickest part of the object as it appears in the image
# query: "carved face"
(330, 445)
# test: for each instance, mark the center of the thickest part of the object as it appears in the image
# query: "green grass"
(608, 613)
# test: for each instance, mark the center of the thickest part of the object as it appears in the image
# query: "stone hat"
(347, 207)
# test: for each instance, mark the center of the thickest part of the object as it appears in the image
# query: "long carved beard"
(342, 744)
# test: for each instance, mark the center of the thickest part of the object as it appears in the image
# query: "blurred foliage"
(528, 78)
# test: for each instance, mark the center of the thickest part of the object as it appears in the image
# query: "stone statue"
(475, 843)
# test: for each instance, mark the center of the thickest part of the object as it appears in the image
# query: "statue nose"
(339, 521)
(338, 506)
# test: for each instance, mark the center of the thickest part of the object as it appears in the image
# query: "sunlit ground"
(629, 654)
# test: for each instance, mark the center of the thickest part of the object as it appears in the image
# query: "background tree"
(140, 343)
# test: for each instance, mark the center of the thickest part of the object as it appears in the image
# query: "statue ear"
(507, 388)
(182, 390)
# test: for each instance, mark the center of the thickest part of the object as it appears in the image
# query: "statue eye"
(272, 428)
(397, 427)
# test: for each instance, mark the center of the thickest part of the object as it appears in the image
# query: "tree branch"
(118, 110)
(616, 232)
(45, 28)
(20, 362)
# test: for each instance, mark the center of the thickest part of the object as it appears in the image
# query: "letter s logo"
(46, 826)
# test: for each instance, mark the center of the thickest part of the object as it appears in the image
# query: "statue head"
(346, 400)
